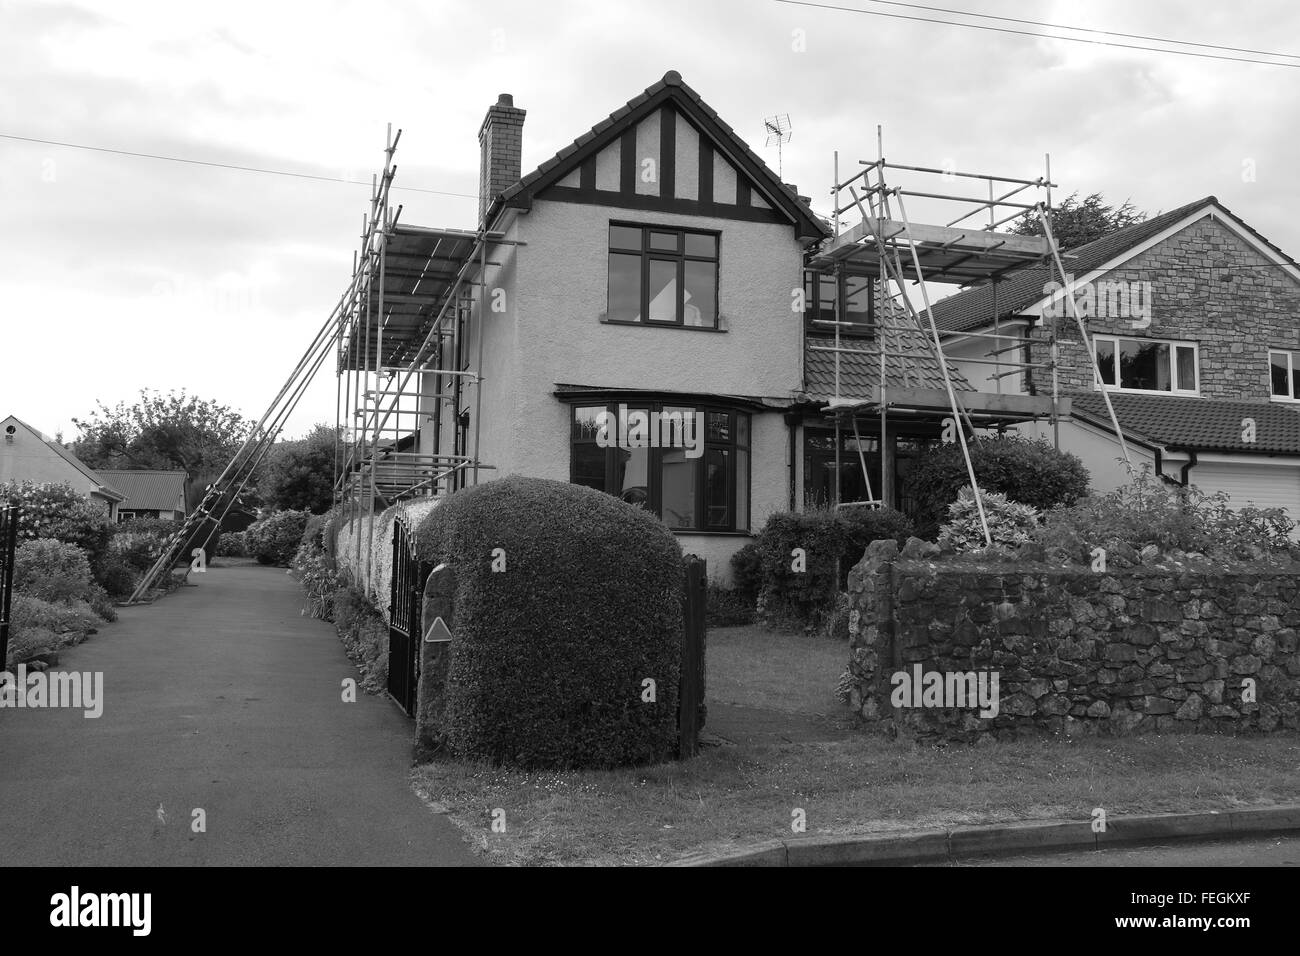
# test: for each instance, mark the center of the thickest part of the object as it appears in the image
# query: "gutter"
(1186, 468)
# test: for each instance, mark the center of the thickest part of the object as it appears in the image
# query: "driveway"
(221, 697)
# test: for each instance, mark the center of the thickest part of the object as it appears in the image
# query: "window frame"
(1174, 345)
(1293, 361)
(679, 257)
(814, 312)
(739, 524)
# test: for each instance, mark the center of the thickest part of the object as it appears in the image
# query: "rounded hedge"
(549, 656)
(275, 538)
(1027, 471)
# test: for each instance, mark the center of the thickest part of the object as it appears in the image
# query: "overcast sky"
(120, 273)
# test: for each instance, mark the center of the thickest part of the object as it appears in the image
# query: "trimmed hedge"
(547, 665)
(805, 597)
(1027, 471)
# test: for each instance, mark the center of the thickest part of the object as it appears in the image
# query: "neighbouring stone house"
(1196, 320)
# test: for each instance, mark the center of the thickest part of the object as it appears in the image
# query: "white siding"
(1264, 486)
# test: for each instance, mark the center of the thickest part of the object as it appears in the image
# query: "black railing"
(8, 544)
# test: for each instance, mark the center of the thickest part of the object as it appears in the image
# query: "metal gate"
(8, 541)
(406, 596)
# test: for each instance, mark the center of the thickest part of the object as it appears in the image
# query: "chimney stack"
(501, 146)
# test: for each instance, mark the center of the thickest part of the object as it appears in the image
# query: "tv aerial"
(778, 134)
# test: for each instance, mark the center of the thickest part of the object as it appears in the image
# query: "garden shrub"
(118, 578)
(549, 656)
(52, 571)
(1027, 471)
(1148, 512)
(364, 633)
(58, 512)
(1010, 524)
(231, 545)
(728, 607)
(747, 569)
(275, 538)
(831, 540)
(137, 550)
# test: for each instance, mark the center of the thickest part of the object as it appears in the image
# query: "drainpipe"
(1186, 468)
(792, 420)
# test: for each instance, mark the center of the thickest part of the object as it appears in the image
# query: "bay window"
(689, 464)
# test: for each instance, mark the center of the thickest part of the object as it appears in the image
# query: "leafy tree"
(1079, 221)
(172, 431)
(300, 474)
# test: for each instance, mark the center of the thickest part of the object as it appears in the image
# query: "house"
(637, 329)
(1196, 322)
(150, 494)
(27, 455)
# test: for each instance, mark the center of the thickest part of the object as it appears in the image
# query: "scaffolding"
(887, 246)
(409, 368)
(409, 378)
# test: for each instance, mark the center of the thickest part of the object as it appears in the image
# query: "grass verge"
(732, 797)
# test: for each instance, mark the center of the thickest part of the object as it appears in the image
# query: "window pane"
(625, 237)
(624, 288)
(1106, 361)
(663, 291)
(827, 299)
(666, 241)
(585, 425)
(680, 427)
(632, 475)
(701, 294)
(589, 466)
(697, 245)
(1144, 365)
(719, 426)
(742, 429)
(678, 488)
(742, 489)
(1186, 368)
(1295, 379)
(1279, 373)
(857, 299)
(716, 483)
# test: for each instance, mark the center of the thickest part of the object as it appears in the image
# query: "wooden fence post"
(690, 699)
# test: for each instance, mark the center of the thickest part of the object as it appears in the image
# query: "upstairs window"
(821, 304)
(1284, 371)
(663, 276)
(1148, 365)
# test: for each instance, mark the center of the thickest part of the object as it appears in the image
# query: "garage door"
(1264, 486)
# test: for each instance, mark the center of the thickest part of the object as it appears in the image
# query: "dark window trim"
(654, 470)
(680, 258)
(813, 309)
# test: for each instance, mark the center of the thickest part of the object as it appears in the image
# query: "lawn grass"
(778, 670)
(734, 796)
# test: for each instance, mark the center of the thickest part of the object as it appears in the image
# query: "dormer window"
(821, 304)
(663, 276)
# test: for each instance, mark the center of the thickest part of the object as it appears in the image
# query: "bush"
(1010, 524)
(275, 538)
(727, 607)
(58, 512)
(231, 545)
(747, 569)
(1148, 512)
(547, 666)
(118, 578)
(52, 571)
(136, 550)
(1027, 471)
(830, 539)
